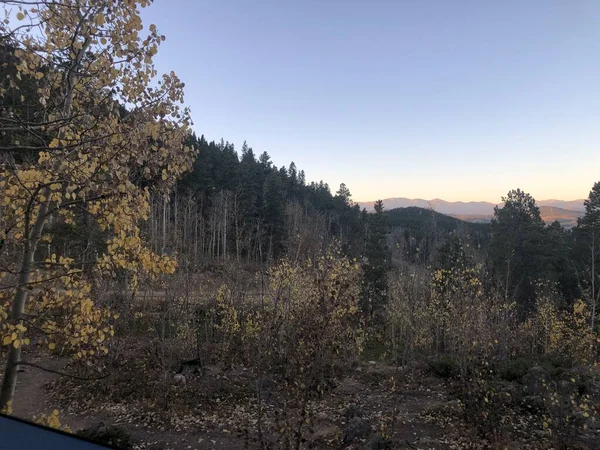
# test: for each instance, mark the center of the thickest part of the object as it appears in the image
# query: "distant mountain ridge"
(565, 211)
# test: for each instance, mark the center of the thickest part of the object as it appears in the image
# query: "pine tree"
(587, 249)
(274, 213)
(376, 263)
(519, 250)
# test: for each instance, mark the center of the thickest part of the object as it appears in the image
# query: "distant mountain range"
(565, 211)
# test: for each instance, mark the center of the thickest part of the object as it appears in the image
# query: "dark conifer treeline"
(242, 207)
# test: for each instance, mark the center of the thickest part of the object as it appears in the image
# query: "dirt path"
(32, 398)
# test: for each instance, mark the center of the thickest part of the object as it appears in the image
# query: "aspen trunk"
(9, 381)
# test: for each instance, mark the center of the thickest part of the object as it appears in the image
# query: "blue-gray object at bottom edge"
(16, 434)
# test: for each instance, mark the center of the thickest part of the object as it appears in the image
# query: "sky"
(460, 100)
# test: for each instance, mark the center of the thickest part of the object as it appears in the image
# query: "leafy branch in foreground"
(85, 125)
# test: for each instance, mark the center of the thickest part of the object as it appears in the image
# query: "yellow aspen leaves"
(52, 420)
(87, 162)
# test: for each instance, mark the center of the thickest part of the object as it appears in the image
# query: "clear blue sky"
(461, 100)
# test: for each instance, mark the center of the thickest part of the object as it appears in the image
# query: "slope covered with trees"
(242, 207)
(418, 233)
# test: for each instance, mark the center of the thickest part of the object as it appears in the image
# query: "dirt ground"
(418, 413)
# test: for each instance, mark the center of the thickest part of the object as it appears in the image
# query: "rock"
(357, 428)
(179, 379)
(533, 403)
(213, 371)
(112, 435)
(372, 363)
(375, 441)
(352, 411)
(567, 388)
(592, 388)
(327, 384)
(327, 434)
(189, 367)
(349, 386)
(509, 394)
(535, 382)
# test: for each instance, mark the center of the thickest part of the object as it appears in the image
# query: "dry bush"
(304, 329)
(407, 318)
(448, 315)
(475, 336)
(305, 323)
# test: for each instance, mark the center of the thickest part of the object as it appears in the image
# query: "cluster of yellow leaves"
(52, 420)
(7, 409)
(126, 249)
(63, 311)
(565, 332)
(96, 158)
(11, 334)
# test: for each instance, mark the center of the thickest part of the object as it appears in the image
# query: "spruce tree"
(376, 263)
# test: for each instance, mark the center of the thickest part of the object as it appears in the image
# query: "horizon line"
(462, 201)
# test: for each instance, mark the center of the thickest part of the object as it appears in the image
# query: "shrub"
(443, 367)
(484, 405)
(307, 324)
(108, 435)
(514, 369)
(552, 331)
(304, 329)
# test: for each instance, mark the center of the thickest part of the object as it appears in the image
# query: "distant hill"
(573, 205)
(437, 204)
(416, 232)
(416, 219)
(565, 211)
(566, 217)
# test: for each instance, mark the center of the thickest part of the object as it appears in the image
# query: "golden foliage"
(564, 332)
(107, 126)
(52, 421)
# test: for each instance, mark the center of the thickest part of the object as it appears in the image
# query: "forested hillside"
(158, 290)
(418, 233)
(242, 207)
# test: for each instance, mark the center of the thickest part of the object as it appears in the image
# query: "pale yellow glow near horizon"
(477, 187)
